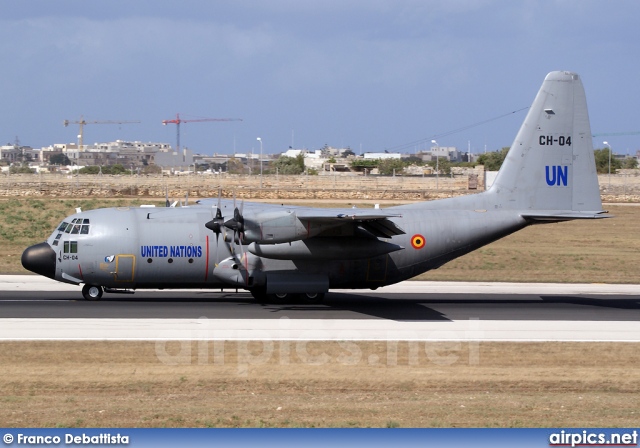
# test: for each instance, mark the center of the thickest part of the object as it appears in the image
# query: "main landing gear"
(261, 296)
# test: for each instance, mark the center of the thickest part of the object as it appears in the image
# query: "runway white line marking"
(316, 330)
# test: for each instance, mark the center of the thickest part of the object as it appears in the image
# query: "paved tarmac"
(36, 308)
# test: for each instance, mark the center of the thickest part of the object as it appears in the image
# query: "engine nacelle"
(239, 272)
(281, 226)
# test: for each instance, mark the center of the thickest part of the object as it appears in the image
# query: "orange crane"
(82, 122)
(179, 120)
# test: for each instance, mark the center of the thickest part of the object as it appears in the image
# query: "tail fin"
(550, 169)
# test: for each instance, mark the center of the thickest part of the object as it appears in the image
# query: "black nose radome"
(40, 259)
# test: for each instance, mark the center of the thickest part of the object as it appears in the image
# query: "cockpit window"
(62, 226)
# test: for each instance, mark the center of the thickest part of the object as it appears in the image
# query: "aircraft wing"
(275, 223)
(375, 222)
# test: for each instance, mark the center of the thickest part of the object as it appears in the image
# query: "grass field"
(110, 384)
(601, 251)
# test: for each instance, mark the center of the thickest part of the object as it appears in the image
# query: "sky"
(372, 75)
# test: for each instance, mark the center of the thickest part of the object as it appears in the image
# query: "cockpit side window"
(62, 226)
(70, 247)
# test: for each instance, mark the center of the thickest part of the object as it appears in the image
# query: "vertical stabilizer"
(551, 165)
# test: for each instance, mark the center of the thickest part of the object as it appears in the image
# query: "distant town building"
(382, 155)
(10, 153)
(293, 152)
(120, 152)
(17, 154)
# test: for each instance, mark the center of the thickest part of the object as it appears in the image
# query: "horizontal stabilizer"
(556, 216)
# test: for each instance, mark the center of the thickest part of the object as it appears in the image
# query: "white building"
(382, 155)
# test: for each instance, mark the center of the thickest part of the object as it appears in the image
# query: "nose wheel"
(92, 292)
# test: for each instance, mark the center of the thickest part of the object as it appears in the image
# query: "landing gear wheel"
(282, 297)
(260, 294)
(279, 298)
(92, 292)
(312, 297)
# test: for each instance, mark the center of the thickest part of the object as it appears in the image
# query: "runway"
(35, 308)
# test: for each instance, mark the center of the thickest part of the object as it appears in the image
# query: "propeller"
(236, 224)
(216, 225)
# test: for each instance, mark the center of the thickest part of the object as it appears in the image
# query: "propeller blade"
(215, 256)
(219, 212)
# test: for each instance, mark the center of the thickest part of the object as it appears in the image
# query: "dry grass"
(107, 384)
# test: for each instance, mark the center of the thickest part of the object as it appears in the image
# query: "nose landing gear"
(92, 292)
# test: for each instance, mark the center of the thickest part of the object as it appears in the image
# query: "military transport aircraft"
(279, 251)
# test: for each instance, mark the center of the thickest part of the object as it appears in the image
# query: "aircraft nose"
(41, 259)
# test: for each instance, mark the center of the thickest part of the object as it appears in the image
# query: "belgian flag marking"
(417, 241)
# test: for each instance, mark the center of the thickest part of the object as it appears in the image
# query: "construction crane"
(82, 122)
(179, 120)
